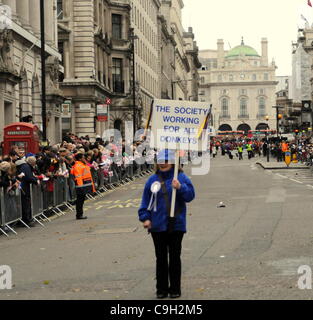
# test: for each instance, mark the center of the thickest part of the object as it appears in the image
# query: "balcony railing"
(243, 116)
(118, 87)
(225, 116)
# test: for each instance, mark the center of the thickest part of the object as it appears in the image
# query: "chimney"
(220, 53)
(264, 59)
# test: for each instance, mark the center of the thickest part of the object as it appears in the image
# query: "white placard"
(176, 124)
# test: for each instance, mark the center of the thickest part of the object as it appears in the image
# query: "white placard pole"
(172, 214)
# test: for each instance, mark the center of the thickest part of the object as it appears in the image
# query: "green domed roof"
(242, 50)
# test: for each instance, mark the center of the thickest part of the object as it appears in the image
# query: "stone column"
(264, 59)
(66, 61)
(220, 53)
(49, 21)
(22, 7)
(34, 15)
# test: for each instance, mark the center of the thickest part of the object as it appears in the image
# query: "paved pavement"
(251, 249)
(273, 165)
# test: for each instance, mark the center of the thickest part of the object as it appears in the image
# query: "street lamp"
(43, 71)
(133, 37)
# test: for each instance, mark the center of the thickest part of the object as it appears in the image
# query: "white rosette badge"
(155, 188)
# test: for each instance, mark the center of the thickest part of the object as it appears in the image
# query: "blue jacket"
(159, 218)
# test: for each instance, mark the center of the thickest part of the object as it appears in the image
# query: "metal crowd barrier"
(45, 198)
(11, 208)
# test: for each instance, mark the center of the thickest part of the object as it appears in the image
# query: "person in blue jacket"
(154, 212)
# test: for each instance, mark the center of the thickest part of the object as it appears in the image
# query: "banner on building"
(102, 112)
(179, 125)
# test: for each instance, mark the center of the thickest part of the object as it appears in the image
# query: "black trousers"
(26, 208)
(80, 199)
(168, 271)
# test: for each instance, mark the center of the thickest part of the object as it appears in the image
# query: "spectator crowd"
(105, 159)
(275, 148)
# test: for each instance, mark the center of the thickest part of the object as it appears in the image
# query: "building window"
(231, 77)
(60, 9)
(254, 77)
(219, 78)
(261, 91)
(243, 92)
(262, 107)
(265, 76)
(224, 107)
(117, 74)
(243, 107)
(202, 79)
(116, 26)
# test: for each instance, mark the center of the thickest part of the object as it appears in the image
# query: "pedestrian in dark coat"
(155, 217)
(27, 170)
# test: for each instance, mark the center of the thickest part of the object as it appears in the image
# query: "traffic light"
(279, 116)
(296, 131)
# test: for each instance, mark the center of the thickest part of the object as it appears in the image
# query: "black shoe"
(81, 218)
(162, 295)
(175, 295)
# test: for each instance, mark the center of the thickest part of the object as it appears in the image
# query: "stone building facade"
(182, 66)
(166, 54)
(241, 85)
(20, 66)
(192, 53)
(144, 21)
(95, 43)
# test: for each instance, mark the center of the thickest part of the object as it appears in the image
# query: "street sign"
(102, 112)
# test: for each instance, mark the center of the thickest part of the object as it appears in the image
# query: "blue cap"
(166, 155)
(29, 155)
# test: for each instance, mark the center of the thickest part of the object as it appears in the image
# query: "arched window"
(262, 107)
(244, 127)
(224, 107)
(225, 127)
(118, 124)
(243, 107)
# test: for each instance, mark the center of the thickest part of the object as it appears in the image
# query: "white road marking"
(280, 175)
(295, 180)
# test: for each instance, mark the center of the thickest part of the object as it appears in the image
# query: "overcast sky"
(277, 20)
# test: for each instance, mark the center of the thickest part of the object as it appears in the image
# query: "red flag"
(309, 3)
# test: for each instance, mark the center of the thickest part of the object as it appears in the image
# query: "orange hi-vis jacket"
(285, 147)
(82, 174)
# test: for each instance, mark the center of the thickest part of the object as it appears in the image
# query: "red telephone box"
(22, 135)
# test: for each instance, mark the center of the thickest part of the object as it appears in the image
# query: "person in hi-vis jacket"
(154, 213)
